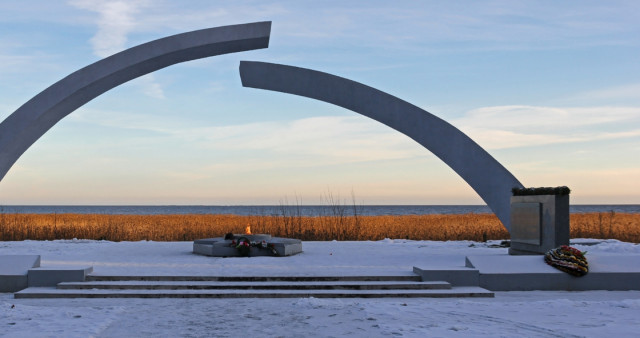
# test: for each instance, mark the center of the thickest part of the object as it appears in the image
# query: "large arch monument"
(29, 122)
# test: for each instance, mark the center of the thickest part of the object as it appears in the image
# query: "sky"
(550, 89)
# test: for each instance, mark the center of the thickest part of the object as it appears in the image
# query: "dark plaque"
(525, 223)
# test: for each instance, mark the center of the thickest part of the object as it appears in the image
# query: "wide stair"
(253, 287)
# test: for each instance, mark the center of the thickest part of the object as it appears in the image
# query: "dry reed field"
(476, 227)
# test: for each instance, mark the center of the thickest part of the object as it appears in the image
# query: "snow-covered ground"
(509, 314)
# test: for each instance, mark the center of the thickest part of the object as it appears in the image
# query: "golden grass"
(477, 227)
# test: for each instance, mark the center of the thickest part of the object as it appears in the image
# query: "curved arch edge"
(479, 169)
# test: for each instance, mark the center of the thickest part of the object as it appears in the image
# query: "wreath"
(243, 245)
(541, 191)
(270, 247)
(568, 259)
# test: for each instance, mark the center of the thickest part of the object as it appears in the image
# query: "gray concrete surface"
(458, 276)
(479, 169)
(455, 292)
(14, 271)
(53, 276)
(275, 287)
(528, 273)
(34, 118)
(219, 247)
(553, 224)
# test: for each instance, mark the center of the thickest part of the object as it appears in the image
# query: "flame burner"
(261, 245)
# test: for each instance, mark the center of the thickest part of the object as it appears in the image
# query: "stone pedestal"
(221, 247)
(539, 223)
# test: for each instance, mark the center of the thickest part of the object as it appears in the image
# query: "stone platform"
(527, 273)
(409, 286)
(18, 272)
(14, 270)
(530, 273)
(220, 247)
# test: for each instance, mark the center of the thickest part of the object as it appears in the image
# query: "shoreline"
(284, 209)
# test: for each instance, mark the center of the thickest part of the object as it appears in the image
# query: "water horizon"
(302, 210)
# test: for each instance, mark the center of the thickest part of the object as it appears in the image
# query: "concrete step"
(51, 276)
(269, 285)
(457, 276)
(49, 292)
(406, 278)
(14, 270)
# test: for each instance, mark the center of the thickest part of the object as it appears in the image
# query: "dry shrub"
(477, 227)
(15, 227)
(621, 226)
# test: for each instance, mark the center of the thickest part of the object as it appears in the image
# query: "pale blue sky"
(551, 89)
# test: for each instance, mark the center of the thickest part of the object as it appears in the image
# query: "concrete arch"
(479, 169)
(34, 118)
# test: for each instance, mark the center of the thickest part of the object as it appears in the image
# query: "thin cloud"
(175, 16)
(328, 139)
(429, 27)
(14, 63)
(116, 20)
(150, 87)
(476, 26)
(332, 139)
(339, 139)
(215, 87)
(122, 120)
(527, 117)
(628, 91)
(519, 126)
